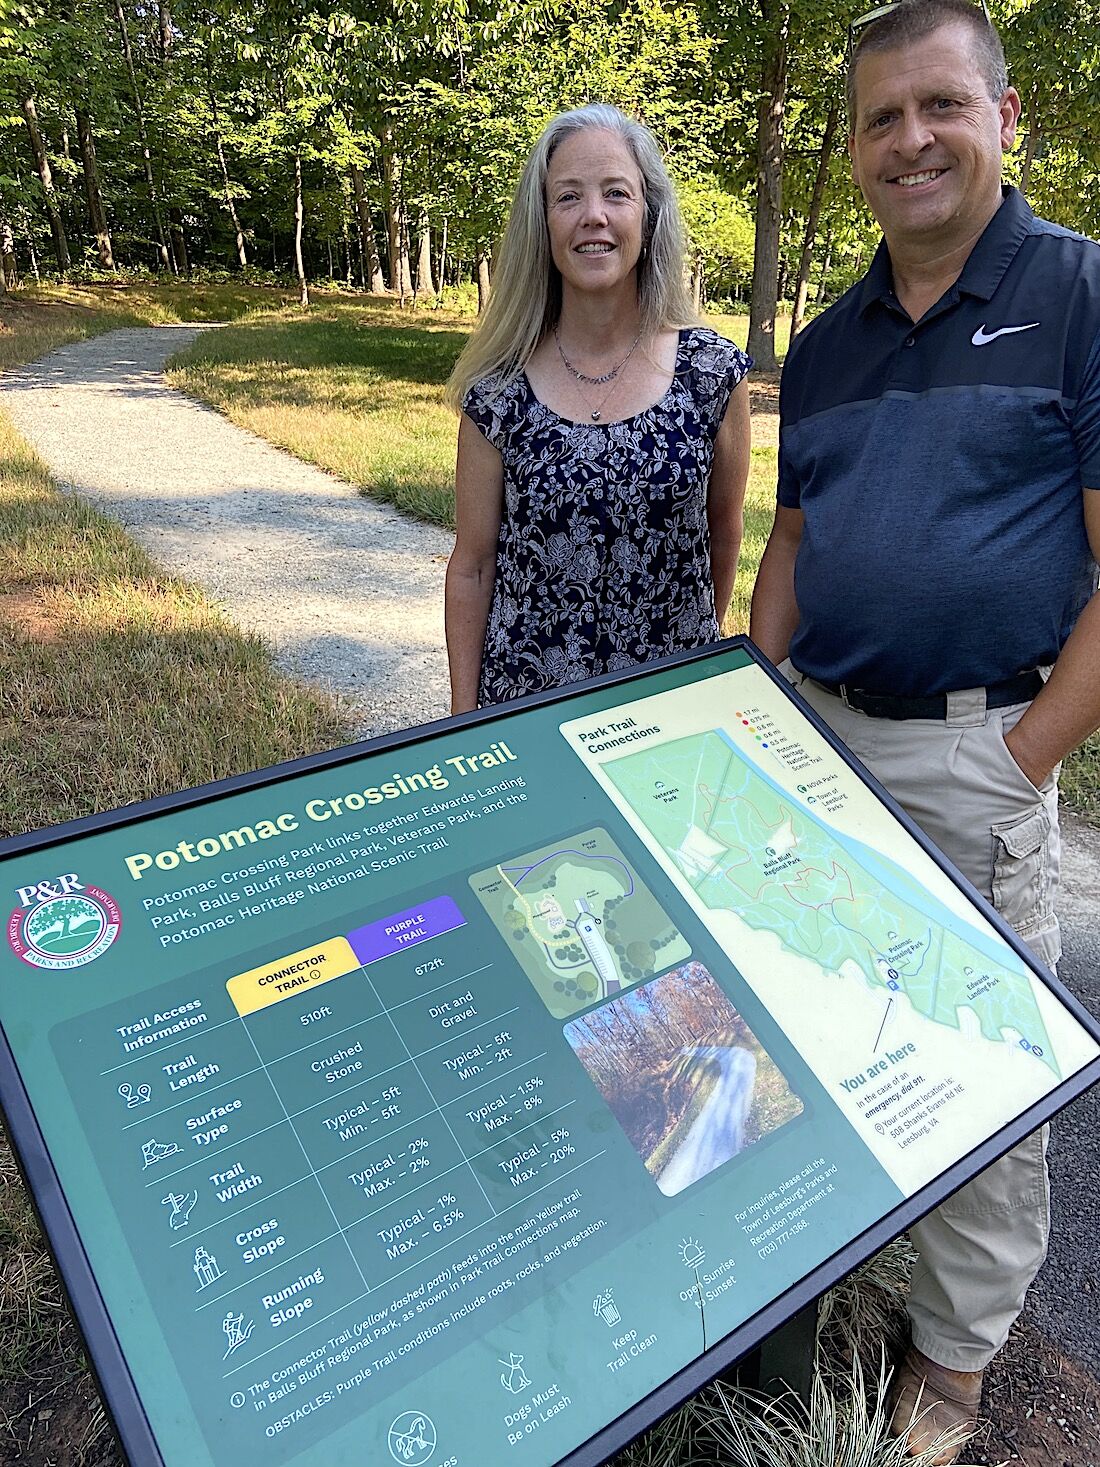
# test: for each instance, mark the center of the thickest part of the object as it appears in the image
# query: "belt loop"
(966, 707)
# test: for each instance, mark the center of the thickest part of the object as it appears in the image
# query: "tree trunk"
(817, 198)
(389, 205)
(404, 261)
(227, 191)
(33, 257)
(441, 275)
(299, 221)
(179, 242)
(483, 282)
(97, 215)
(167, 263)
(372, 268)
(397, 237)
(9, 266)
(164, 29)
(238, 232)
(425, 285)
(697, 286)
(45, 176)
(827, 262)
(769, 184)
(358, 238)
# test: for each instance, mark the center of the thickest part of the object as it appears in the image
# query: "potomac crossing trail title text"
(438, 777)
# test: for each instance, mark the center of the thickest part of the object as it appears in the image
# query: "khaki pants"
(980, 1250)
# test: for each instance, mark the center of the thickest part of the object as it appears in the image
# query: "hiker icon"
(236, 1332)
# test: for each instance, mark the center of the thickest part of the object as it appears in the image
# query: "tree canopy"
(379, 146)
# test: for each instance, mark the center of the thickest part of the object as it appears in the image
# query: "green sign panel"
(470, 1098)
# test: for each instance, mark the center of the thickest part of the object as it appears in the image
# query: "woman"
(604, 440)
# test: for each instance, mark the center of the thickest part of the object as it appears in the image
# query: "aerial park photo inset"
(683, 1074)
(580, 920)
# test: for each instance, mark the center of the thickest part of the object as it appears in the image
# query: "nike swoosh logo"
(982, 337)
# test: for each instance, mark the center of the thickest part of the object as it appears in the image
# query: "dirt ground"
(1042, 1410)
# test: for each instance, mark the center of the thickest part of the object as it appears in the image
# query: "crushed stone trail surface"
(348, 591)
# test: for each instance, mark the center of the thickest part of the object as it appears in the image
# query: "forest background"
(377, 145)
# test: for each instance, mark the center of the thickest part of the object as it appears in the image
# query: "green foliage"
(436, 103)
(720, 233)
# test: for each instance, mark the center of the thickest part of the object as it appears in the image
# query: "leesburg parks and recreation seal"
(65, 931)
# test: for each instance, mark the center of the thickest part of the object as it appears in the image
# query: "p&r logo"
(61, 923)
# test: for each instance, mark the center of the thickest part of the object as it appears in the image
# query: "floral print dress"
(603, 558)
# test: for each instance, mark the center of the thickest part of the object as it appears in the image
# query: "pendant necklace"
(579, 376)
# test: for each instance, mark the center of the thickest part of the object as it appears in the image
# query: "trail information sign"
(470, 1097)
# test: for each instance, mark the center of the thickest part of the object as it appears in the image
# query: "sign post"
(473, 1096)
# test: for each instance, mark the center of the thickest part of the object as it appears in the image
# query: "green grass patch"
(1081, 780)
(354, 388)
(737, 329)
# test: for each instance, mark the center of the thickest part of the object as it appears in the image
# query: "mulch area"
(1042, 1409)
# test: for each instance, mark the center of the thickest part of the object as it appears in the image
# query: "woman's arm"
(471, 570)
(726, 496)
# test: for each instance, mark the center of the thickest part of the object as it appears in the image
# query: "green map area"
(581, 921)
(747, 849)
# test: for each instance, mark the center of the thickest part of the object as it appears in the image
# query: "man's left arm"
(1067, 710)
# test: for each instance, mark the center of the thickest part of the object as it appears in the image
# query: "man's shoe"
(930, 1402)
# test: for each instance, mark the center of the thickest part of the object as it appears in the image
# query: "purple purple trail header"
(404, 929)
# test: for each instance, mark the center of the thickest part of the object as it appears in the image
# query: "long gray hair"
(526, 297)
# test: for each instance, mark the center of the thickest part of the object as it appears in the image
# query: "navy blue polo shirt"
(940, 466)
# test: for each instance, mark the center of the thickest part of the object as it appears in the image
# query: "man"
(931, 567)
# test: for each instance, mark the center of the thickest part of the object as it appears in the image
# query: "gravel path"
(348, 592)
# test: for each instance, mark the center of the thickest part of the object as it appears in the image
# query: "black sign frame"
(104, 1353)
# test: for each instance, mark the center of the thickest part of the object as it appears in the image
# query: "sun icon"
(691, 1254)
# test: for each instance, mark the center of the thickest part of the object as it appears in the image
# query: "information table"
(472, 1097)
